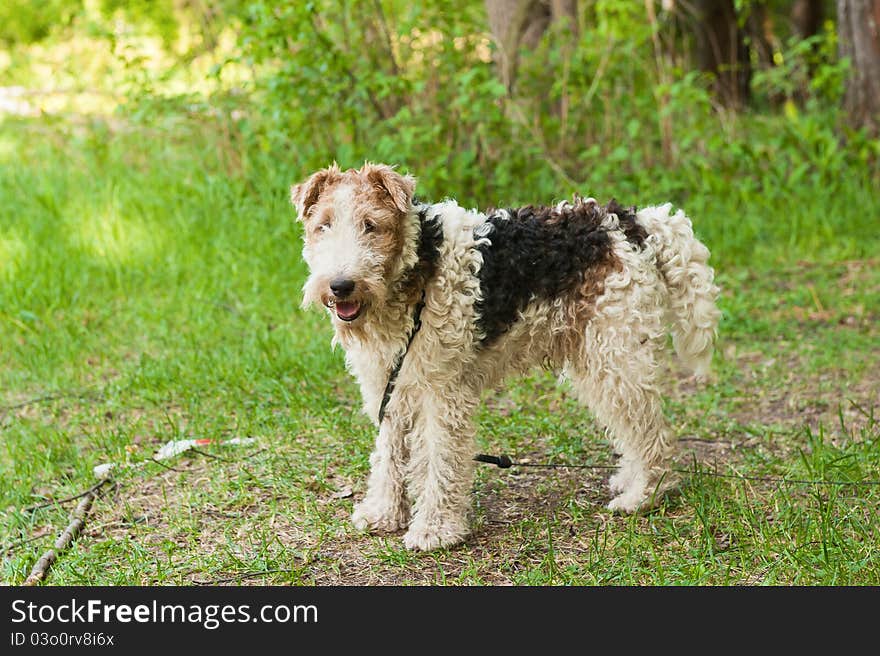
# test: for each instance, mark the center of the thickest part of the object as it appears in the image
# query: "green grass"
(149, 290)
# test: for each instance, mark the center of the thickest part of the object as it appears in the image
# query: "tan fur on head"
(306, 194)
(390, 185)
(360, 226)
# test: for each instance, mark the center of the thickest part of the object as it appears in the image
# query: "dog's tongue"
(346, 309)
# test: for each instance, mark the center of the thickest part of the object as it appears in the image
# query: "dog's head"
(355, 229)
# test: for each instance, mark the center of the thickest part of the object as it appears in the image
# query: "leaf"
(342, 493)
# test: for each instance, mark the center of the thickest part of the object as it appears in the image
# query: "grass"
(149, 290)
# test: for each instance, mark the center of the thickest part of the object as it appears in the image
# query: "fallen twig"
(77, 520)
(210, 455)
(55, 396)
(15, 545)
(169, 450)
(164, 466)
(97, 486)
(222, 459)
(706, 440)
(243, 575)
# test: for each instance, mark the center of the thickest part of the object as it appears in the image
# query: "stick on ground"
(77, 520)
(97, 486)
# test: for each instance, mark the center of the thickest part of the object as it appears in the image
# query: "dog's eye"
(369, 227)
(324, 227)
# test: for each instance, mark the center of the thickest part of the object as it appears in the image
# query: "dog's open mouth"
(346, 310)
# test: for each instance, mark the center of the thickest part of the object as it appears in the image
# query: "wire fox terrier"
(590, 290)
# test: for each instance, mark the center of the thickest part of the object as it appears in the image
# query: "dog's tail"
(683, 262)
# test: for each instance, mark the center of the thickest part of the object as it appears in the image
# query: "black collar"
(428, 247)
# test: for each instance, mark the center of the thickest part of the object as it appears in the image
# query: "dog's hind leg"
(617, 385)
(385, 506)
(441, 471)
(615, 378)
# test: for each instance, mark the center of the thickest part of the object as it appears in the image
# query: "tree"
(807, 15)
(858, 24)
(521, 23)
(722, 51)
(760, 30)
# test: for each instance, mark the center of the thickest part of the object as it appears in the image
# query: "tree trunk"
(858, 25)
(807, 17)
(759, 26)
(721, 50)
(515, 24)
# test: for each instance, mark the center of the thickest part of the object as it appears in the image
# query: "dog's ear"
(306, 194)
(389, 183)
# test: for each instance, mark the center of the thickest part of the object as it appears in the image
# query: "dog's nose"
(341, 287)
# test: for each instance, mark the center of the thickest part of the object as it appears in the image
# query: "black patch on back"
(428, 249)
(540, 253)
(635, 232)
(430, 240)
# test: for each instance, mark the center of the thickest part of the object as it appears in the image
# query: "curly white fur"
(421, 467)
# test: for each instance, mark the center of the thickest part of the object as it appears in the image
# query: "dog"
(434, 303)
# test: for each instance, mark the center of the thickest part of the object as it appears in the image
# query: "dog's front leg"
(441, 473)
(385, 506)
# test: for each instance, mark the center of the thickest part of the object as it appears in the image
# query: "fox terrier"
(433, 303)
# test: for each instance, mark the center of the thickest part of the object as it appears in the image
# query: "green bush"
(25, 21)
(618, 112)
(604, 116)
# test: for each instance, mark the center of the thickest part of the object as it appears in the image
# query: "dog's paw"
(639, 494)
(421, 537)
(373, 516)
(628, 502)
(622, 479)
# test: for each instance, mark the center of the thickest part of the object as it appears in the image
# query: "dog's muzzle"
(345, 310)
